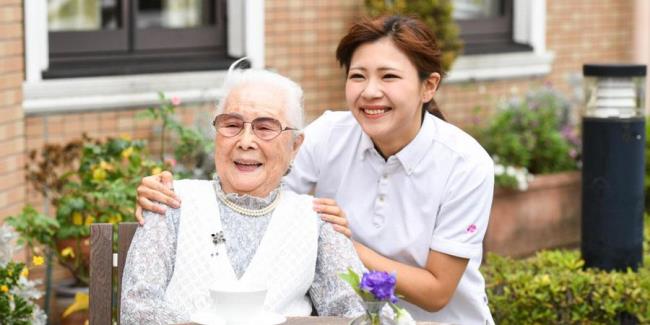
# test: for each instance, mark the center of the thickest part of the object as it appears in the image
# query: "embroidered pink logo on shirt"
(471, 228)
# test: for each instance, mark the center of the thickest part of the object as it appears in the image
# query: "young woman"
(416, 190)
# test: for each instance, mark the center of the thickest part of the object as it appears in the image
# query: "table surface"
(330, 321)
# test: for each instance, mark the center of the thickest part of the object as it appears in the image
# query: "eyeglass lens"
(265, 128)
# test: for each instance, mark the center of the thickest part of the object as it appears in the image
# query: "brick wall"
(577, 32)
(12, 141)
(63, 128)
(301, 37)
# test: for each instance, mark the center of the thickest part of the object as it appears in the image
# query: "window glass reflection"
(83, 15)
(175, 13)
(473, 9)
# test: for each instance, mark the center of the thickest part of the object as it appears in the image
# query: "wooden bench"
(105, 266)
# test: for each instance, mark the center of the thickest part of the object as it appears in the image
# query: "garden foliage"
(553, 287)
(534, 134)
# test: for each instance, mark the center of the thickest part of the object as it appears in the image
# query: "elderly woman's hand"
(152, 189)
(330, 212)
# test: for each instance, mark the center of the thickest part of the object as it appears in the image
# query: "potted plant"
(18, 294)
(87, 181)
(536, 149)
(102, 189)
(193, 147)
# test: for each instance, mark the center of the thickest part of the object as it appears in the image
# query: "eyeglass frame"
(282, 129)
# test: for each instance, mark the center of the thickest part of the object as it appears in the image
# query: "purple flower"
(380, 284)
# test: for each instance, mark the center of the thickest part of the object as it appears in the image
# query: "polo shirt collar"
(411, 155)
(365, 146)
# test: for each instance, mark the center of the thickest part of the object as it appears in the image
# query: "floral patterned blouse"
(151, 260)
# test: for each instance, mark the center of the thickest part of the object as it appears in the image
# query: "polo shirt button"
(385, 176)
(381, 198)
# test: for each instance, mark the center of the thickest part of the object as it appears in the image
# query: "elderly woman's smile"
(245, 165)
(252, 152)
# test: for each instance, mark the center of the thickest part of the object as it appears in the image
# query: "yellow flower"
(99, 174)
(156, 170)
(126, 153)
(37, 260)
(77, 219)
(81, 300)
(25, 272)
(4, 288)
(116, 218)
(67, 252)
(125, 137)
(105, 166)
(89, 219)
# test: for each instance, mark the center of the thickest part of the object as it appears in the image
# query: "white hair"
(293, 92)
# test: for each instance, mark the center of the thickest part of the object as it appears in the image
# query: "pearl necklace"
(249, 212)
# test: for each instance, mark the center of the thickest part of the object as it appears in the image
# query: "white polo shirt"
(435, 194)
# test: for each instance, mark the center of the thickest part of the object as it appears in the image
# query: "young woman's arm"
(431, 287)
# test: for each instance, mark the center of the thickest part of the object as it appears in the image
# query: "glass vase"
(373, 315)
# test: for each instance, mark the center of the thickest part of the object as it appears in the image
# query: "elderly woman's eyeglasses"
(265, 128)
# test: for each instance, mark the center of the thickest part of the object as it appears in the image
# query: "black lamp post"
(613, 140)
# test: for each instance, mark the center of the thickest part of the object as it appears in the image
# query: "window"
(117, 37)
(486, 26)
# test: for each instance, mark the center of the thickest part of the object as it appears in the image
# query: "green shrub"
(18, 294)
(532, 134)
(647, 167)
(553, 288)
(437, 14)
(87, 181)
(193, 147)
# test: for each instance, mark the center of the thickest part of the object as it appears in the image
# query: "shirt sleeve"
(148, 269)
(306, 166)
(465, 210)
(331, 295)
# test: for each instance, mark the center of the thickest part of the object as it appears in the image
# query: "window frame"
(491, 35)
(133, 50)
(529, 27)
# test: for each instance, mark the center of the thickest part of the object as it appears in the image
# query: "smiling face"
(246, 164)
(385, 94)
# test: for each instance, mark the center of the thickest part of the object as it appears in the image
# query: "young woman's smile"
(385, 94)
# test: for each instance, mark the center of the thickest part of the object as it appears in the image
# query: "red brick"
(11, 196)
(10, 113)
(11, 129)
(11, 14)
(12, 179)
(12, 163)
(11, 47)
(12, 146)
(11, 64)
(10, 97)
(13, 80)
(11, 31)
(10, 2)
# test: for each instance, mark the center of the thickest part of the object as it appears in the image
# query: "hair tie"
(395, 27)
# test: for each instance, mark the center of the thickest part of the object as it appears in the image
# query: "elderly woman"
(243, 228)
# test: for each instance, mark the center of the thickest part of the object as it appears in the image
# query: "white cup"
(238, 304)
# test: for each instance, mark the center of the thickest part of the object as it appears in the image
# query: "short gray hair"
(293, 92)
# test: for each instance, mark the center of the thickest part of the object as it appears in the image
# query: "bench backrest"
(106, 266)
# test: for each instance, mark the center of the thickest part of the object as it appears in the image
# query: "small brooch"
(217, 239)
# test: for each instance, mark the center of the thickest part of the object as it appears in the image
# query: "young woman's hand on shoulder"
(152, 189)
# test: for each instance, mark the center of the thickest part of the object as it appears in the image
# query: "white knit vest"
(284, 262)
